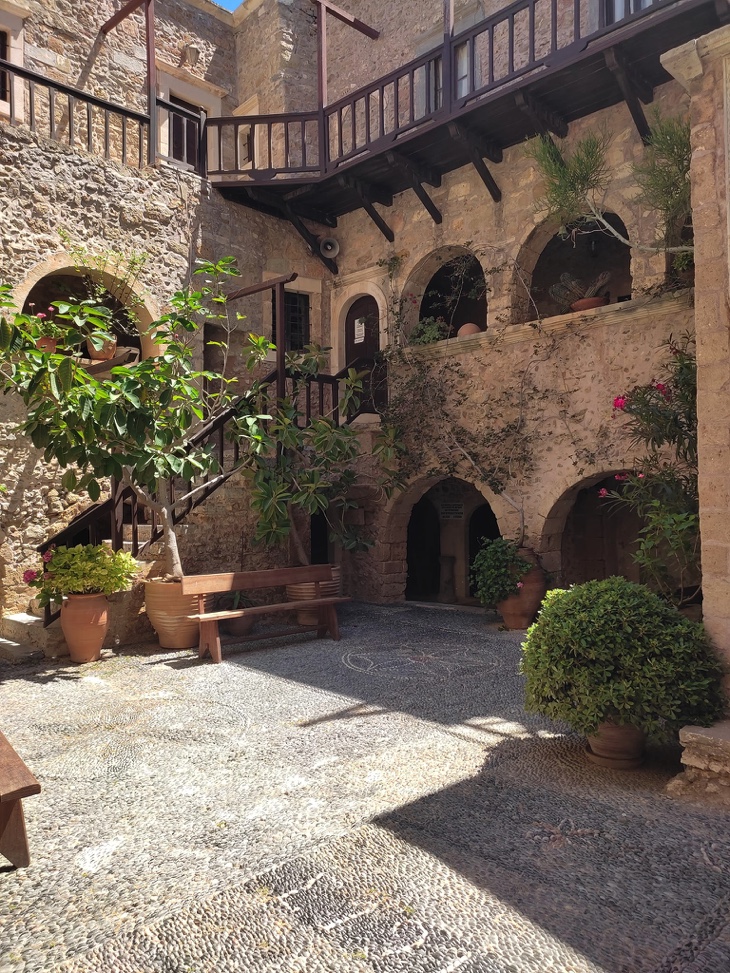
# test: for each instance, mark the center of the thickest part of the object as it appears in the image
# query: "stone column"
(702, 66)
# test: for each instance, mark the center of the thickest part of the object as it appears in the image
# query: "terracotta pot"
(618, 747)
(105, 353)
(239, 626)
(48, 345)
(589, 303)
(84, 623)
(469, 328)
(167, 609)
(307, 589)
(518, 611)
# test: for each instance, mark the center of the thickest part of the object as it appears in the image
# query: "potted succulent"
(79, 579)
(508, 577)
(616, 662)
(574, 295)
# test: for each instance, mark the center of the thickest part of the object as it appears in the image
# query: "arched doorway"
(444, 531)
(599, 537)
(362, 347)
(456, 294)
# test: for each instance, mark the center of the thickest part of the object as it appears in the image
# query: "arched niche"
(584, 254)
(56, 279)
(448, 284)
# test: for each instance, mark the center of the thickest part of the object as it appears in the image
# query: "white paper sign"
(359, 330)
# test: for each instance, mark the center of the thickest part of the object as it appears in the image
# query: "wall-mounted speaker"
(329, 247)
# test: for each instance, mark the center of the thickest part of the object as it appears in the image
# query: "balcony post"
(447, 57)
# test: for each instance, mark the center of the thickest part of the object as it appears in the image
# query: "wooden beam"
(265, 285)
(287, 213)
(415, 178)
(544, 120)
(121, 15)
(633, 88)
(347, 18)
(419, 171)
(367, 190)
(474, 149)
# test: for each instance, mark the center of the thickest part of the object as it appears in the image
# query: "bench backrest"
(201, 584)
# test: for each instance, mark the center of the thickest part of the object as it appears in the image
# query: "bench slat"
(194, 584)
(264, 609)
(16, 781)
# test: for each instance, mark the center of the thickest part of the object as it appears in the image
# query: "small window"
(435, 84)
(184, 133)
(296, 320)
(461, 70)
(4, 79)
(615, 10)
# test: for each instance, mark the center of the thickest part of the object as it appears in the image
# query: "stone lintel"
(684, 63)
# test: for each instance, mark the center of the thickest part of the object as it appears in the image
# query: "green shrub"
(82, 570)
(497, 570)
(428, 330)
(613, 650)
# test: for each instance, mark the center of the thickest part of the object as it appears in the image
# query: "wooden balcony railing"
(69, 115)
(520, 41)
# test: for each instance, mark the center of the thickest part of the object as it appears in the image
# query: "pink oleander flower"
(30, 576)
(520, 584)
(48, 555)
(663, 390)
(619, 402)
(603, 492)
(621, 476)
(641, 476)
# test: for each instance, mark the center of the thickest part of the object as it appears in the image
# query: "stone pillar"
(702, 66)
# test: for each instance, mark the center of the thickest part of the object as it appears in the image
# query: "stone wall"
(172, 216)
(703, 66)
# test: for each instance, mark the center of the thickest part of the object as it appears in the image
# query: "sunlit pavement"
(381, 803)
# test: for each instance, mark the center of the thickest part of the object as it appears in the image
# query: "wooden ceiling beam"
(369, 194)
(544, 120)
(476, 150)
(286, 212)
(634, 89)
(416, 177)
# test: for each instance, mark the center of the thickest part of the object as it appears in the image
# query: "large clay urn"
(84, 623)
(168, 610)
(518, 611)
(306, 590)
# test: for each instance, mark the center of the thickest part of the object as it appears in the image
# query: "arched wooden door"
(362, 345)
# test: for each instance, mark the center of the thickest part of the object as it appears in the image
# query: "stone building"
(184, 131)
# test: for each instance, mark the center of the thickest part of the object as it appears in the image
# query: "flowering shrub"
(498, 570)
(662, 417)
(81, 570)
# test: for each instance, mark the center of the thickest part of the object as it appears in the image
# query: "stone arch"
(60, 264)
(417, 282)
(455, 537)
(343, 299)
(584, 537)
(542, 257)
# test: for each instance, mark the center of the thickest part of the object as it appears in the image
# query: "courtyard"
(378, 804)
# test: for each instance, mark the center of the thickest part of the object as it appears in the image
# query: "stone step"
(15, 652)
(144, 532)
(25, 629)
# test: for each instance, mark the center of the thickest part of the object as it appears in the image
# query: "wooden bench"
(16, 782)
(209, 584)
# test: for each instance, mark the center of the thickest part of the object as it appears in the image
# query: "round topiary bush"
(614, 651)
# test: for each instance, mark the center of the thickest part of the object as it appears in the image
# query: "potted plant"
(48, 332)
(507, 577)
(574, 295)
(232, 601)
(428, 330)
(613, 660)
(79, 579)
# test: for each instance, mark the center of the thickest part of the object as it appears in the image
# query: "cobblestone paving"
(377, 805)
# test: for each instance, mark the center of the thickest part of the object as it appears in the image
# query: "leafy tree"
(137, 422)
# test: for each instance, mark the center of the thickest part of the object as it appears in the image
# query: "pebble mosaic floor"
(378, 805)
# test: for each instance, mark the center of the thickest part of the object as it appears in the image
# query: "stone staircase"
(23, 638)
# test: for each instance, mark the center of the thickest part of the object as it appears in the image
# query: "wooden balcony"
(532, 68)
